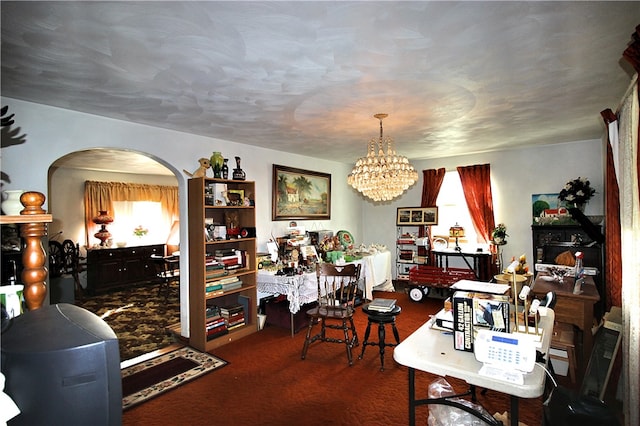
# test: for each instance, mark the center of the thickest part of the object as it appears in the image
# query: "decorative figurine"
(202, 170)
(238, 174)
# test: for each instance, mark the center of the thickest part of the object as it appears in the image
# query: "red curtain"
(431, 183)
(613, 252)
(476, 185)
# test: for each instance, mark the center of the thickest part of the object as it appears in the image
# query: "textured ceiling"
(307, 77)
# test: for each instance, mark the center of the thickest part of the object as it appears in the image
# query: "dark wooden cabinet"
(120, 267)
(551, 240)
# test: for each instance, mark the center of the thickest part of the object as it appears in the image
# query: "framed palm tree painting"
(300, 194)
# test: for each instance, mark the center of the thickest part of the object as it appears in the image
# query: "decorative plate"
(345, 238)
(439, 243)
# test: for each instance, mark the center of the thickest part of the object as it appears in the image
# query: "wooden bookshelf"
(203, 210)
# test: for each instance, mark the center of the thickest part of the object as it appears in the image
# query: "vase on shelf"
(103, 219)
(225, 169)
(238, 173)
(217, 160)
(11, 205)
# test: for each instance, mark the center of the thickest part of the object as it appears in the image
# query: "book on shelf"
(215, 323)
(214, 276)
(382, 305)
(245, 301)
(224, 252)
(232, 286)
(214, 334)
(212, 287)
(234, 307)
(236, 326)
(212, 311)
(225, 280)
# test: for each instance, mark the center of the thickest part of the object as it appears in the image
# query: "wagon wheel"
(68, 256)
(55, 259)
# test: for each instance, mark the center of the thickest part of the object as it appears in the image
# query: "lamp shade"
(456, 231)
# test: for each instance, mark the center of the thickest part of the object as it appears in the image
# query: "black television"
(62, 366)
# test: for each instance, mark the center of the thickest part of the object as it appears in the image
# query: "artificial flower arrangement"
(499, 234)
(577, 191)
(522, 267)
(140, 231)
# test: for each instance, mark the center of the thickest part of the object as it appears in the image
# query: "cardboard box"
(560, 366)
(472, 310)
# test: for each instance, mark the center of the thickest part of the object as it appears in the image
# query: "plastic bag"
(444, 415)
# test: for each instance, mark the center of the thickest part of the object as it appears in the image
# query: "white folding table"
(432, 351)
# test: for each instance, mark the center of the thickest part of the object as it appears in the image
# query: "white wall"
(515, 176)
(52, 133)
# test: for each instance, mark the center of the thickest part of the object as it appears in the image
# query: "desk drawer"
(569, 311)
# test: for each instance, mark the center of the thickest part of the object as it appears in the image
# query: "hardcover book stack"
(221, 285)
(382, 305)
(233, 315)
(230, 258)
(214, 269)
(216, 325)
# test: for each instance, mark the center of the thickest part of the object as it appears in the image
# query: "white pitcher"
(11, 298)
(11, 205)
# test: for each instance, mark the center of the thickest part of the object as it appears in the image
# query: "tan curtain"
(101, 195)
(431, 183)
(476, 185)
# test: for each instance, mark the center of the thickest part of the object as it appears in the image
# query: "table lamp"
(456, 231)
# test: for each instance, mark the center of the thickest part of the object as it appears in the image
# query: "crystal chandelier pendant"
(382, 176)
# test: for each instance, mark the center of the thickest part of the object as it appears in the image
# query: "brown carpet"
(266, 383)
(138, 315)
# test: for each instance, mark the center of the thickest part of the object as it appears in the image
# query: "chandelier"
(382, 176)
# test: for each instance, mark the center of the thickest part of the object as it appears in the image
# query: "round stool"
(380, 318)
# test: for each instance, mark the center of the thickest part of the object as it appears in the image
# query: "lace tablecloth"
(299, 289)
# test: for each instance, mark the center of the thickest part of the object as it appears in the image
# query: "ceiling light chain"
(380, 176)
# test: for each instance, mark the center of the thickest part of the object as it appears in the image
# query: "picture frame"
(409, 216)
(300, 194)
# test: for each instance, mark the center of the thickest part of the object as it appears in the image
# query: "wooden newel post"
(35, 272)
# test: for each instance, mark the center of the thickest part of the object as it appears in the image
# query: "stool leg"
(366, 339)
(395, 332)
(381, 336)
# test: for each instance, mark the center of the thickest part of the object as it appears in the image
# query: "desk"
(432, 351)
(576, 309)
(481, 261)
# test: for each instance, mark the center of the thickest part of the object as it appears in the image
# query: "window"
(145, 214)
(452, 209)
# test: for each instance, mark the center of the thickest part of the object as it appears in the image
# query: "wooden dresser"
(120, 267)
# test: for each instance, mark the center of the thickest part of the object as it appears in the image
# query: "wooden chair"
(167, 272)
(337, 290)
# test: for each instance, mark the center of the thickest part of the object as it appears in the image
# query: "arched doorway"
(139, 314)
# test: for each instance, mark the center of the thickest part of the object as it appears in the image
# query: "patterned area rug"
(139, 316)
(148, 379)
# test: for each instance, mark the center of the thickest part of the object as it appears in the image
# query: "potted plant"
(499, 235)
(576, 193)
